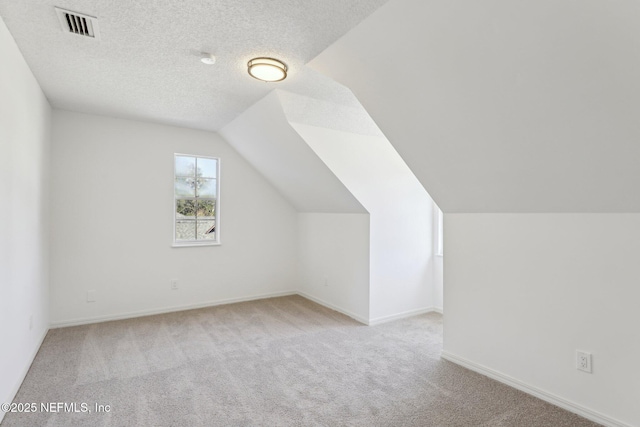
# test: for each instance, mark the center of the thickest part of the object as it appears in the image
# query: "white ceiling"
(263, 135)
(502, 105)
(330, 115)
(146, 64)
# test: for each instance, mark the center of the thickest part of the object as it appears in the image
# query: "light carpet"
(275, 362)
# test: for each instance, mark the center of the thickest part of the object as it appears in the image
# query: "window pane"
(185, 187)
(185, 166)
(195, 193)
(207, 188)
(206, 230)
(206, 209)
(207, 168)
(185, 209)
(185, 230)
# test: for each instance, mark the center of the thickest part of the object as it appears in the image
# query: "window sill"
(194, 244)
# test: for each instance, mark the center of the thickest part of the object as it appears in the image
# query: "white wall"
(524, 291)
(112, 189)
(333, 255)
(24, 167)
(401, 242)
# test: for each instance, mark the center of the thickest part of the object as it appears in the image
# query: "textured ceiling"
(146, 64)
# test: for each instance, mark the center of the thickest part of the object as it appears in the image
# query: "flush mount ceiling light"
(207, 58)
(267, 69)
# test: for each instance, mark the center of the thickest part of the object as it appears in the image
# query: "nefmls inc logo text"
(72, 407)
(54, 407)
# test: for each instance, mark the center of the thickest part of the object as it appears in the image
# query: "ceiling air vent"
(78, 23)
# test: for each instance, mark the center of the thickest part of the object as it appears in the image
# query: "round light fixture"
(267, 69)
(207, 58)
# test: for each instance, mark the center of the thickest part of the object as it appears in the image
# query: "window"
(440, 247)
(196, 206)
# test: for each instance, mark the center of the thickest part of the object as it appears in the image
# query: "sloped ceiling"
(504, 106)
(146, 64)
(264, 137)
(350, 117)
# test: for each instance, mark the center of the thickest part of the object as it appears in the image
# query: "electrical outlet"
(583, 361)
(174, 285)
(31, 322)
(325, 282)
(91, 296)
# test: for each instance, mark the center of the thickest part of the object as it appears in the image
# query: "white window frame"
(196, 243)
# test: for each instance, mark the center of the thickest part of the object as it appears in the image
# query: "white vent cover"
(78, 23)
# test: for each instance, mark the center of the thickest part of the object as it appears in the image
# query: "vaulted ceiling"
(495, 105)
(264, 136)
(501, 105)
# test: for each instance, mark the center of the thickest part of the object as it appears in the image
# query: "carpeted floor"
(275, 362)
